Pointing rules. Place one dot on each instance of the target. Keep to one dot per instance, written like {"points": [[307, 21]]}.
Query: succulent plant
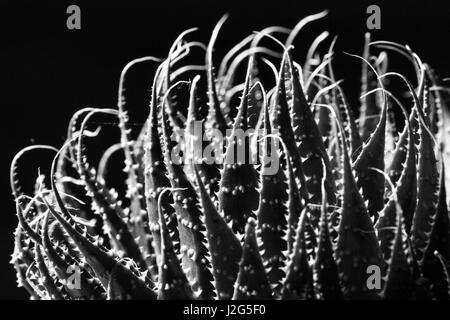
{"points": [[347, 194]]}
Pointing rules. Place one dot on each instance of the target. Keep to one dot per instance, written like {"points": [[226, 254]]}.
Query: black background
{"points": [[47, 72]]}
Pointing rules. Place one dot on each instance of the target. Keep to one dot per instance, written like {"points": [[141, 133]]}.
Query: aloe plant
{"points": [[343, 198]]}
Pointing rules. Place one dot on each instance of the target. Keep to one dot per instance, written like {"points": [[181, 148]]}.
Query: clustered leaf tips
{"points": [[327, 192]]}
